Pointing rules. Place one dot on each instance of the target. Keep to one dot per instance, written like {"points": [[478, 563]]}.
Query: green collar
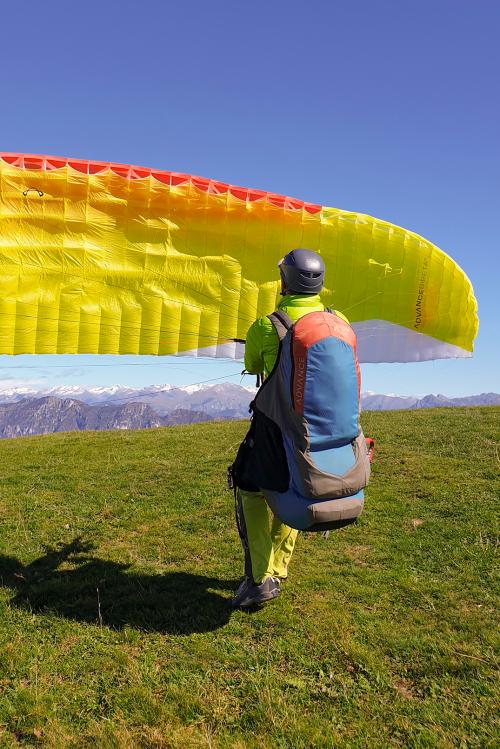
{"points": [[300, 300]]}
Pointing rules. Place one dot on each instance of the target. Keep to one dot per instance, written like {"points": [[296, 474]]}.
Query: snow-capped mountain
{"points": [[109, 393], [379, 402], [225, 400], [27, 411], [223, 397]]}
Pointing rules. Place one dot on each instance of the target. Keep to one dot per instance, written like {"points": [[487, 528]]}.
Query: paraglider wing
{"points": [[111, 259]]}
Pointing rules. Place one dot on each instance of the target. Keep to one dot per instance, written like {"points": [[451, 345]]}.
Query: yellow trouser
{"points": [[268, 546]]}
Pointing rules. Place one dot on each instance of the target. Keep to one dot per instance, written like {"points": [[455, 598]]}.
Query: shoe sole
{"points": [[254, 604]]}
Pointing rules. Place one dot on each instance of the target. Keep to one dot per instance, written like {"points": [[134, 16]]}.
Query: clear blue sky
{"points": [[389, 108]]}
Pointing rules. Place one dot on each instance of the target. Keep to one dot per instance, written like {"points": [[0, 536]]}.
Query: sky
{"points": [[388, 108]]}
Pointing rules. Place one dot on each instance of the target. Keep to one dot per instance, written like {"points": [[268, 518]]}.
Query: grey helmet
{"points": [[302, 272]]}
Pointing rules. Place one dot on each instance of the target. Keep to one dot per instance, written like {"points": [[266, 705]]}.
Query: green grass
{"points": [[118, 555]]}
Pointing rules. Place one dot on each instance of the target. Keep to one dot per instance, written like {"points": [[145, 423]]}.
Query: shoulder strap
{"points": [[282, 323]]}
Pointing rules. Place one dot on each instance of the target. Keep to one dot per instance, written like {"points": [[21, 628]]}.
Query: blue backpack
{"points": [[305, 450]]}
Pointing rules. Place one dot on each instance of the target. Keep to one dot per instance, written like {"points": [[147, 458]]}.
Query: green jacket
{"points": [[261, 348]]}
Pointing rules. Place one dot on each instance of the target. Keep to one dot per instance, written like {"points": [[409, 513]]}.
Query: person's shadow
{"points": [[105, 593]]}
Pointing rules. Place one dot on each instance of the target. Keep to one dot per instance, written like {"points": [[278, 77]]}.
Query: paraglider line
{"points": [[133, 398]]}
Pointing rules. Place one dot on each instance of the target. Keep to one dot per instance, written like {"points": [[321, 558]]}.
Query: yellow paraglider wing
{"points": [[112, 259]]}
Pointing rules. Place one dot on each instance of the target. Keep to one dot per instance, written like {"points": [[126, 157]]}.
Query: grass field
{"points": [[118, 554]]}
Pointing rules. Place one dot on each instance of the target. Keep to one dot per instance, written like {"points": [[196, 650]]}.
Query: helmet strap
{"points": [[284, 290]]}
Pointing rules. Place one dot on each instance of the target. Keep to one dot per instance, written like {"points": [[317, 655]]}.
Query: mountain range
{"points": [[73, 408]]}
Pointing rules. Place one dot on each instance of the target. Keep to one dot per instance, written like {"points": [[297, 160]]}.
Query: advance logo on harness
{"points": [[299, 380]]}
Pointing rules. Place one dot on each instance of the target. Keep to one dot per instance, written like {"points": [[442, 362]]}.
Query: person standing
{"points": [[268, 543]]}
